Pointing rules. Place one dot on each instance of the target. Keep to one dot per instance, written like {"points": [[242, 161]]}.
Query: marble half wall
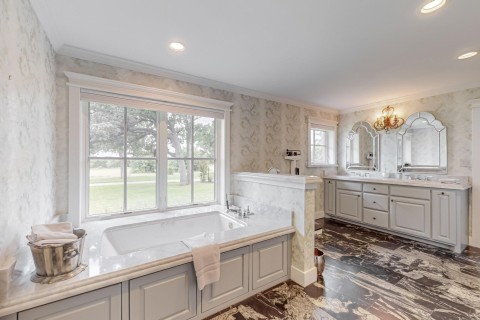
{"points": [[452, 109], [261, 130], [295, 194], [27, 125]]}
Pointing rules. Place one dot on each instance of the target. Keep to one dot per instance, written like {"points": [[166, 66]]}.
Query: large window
{"points": [[125, 153], [139, 149], [322, 141]]}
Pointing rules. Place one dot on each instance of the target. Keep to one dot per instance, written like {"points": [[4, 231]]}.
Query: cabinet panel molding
{"points": [[233, 281], [412, 216], [349, 204], [269, 261], [168, 294], [444, 207], [102, 304], [329, 202]]}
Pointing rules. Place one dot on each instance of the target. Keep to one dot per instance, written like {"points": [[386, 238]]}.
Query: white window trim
{"points": [[333, 126], [78, 134]]}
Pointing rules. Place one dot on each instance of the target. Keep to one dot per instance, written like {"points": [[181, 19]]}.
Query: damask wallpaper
{"points": [[27, 125]]}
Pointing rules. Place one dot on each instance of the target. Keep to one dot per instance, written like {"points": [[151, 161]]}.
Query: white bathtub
{"points": [[135, 237]]}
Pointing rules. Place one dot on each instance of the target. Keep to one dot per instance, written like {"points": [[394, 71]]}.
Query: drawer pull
{"points": [[329, 181], [374, 218], [391, 200], [443, 193], [374, 201], [358, 196], [374, 188]]}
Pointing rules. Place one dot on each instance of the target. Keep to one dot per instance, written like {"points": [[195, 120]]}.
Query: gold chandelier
{"points": [[388, 120]]}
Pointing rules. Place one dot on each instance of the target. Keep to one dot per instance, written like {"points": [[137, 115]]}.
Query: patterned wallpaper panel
{"points": [[27, 125]]}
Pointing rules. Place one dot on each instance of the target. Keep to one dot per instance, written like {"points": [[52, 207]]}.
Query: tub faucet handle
{"points": [[247, 212]]}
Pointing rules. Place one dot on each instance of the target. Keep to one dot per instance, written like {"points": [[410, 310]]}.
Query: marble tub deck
{"points": [[372, 275]]}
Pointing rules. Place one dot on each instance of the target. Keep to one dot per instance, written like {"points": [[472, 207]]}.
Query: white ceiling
{"points": [[331, 53]]}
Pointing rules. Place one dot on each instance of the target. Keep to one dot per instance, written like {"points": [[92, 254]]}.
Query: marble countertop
{"points": [[281, 180], [104, 271], [463, 184]]}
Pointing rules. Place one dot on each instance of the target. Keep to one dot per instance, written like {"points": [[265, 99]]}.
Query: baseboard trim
{"points": [[303, 278]]}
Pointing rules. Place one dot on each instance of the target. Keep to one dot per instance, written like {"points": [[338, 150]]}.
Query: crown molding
{"points": [[123, 88], [416, 96], [88, 55]]}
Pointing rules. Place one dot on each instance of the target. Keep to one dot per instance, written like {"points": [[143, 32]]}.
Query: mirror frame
{"points": [[442, 158], [375, 142]]}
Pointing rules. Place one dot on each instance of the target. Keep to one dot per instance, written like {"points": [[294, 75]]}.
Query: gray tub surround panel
{"points": [[106, 271], [428, 211], [172, 293], [296, 194]]}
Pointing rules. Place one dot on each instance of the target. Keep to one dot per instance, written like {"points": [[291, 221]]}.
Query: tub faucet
{"points": [[236, 210], [247, 212]]}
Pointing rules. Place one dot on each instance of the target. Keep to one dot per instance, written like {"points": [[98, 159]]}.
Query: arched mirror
{"points": [[422, 145], [362, 147]]}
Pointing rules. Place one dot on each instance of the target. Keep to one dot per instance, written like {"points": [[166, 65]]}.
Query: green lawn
{"points": [[106, 191]]}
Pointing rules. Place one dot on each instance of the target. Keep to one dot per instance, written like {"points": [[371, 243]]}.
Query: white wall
{"points": [[27, 120]]}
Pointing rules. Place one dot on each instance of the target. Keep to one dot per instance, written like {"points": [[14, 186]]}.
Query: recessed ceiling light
{"points": [[176, 46], [467, 55], [432, 6]]}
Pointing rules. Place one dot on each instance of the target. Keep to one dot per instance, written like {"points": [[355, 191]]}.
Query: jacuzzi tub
{"points": [[135, 237]]}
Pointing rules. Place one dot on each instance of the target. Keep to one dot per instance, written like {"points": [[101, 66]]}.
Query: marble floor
{"points": [[373, 275]]}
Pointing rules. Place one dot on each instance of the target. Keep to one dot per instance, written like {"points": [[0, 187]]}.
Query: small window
{"points": [[322, 142]]}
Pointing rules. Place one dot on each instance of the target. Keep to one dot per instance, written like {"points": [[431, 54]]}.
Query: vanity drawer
{"points": [[377, 218], [375, 201], [347, 185], [375, 188], [410, 192]]}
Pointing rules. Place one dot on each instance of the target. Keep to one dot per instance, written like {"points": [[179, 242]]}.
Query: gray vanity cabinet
{"points": [[269, 261], [233, 279], [329, 203], [412, 216], [428, 214], [348, 199], [102, 304], [10, 317], [349, 204], [168, 294], [444, 208]]}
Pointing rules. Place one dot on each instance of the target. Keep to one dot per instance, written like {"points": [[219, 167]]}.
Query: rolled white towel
{"points": [[54, 233], [35, 237], [66, 227], [52, 242]]}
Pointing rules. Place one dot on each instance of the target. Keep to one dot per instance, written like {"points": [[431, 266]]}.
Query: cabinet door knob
{"points": [[374, 201], [443, 193], [358, 196], [374, 188], [374, 218], [329, 181], [391, 200]]}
